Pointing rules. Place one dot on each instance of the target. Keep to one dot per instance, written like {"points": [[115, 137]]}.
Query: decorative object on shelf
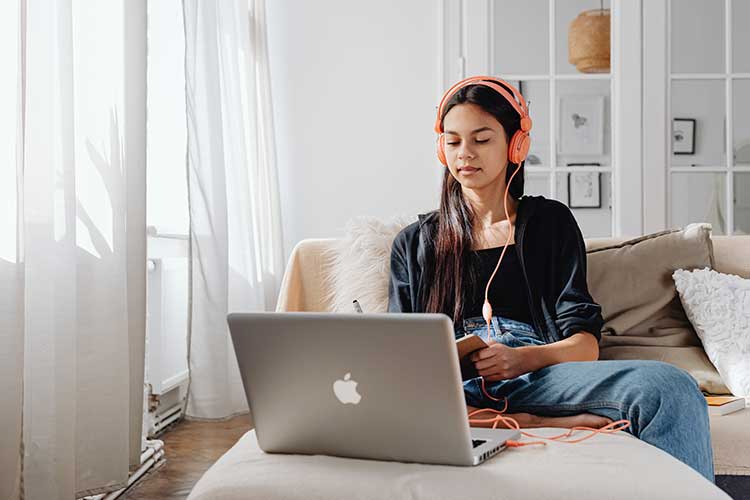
{"points": [[683, 136], [584, 190], [588, 41], [533, 160], [581, 125], [592, 164], [742, 153]]}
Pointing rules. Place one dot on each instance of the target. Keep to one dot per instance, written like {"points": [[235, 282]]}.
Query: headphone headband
{"points": [[513, 97], [518, 145]]}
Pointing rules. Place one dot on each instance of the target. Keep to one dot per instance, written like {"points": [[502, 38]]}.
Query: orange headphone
{"points": [[518, 147]]}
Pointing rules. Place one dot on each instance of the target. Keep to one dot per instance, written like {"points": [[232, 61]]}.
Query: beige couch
{"points": [[306, 287], [614, 466]]}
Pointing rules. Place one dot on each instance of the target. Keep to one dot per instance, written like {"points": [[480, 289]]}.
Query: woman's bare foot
{"points": [[529, 421]]}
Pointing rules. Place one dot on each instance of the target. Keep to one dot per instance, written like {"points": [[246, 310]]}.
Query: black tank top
{"points": [[508, 290]]}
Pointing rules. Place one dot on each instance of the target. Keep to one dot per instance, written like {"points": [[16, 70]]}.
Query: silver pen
{"points": [[357, 307]]}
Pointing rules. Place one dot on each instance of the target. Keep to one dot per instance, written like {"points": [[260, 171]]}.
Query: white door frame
{"points": [[627, 118], [655, 146]]}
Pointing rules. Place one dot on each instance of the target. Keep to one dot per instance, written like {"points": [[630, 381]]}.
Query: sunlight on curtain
{"points": [[64, 274], [103, 371], [233, 191], [11, 278], [98, 150]]}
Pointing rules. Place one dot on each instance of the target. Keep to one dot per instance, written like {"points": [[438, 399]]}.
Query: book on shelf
{"points": [[723, 405]]}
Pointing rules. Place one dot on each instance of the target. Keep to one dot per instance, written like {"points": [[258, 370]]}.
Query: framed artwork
{"points": [[581, 125], [591, 164], [683, 136], [584, 190]]}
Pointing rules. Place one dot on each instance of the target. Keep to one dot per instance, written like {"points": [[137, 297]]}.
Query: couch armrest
{"points": [[304, 287]]}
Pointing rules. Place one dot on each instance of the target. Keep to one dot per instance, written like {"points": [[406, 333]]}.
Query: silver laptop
{"points": [[375, 386]]}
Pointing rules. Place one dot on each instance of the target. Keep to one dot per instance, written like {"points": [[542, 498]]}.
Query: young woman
{"points": [[545, 328]]}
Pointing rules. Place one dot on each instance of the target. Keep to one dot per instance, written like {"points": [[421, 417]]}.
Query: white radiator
{"points": [[166, 330]]}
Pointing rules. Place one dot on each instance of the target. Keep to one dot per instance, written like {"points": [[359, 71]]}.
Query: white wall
{"points": [[355, 86]]}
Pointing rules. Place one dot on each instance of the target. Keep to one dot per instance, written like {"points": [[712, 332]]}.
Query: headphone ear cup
{"points": [[518, 148], [441, 150]]}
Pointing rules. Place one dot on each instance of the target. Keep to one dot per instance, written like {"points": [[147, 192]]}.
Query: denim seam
{"points": [[520, 332], [578, 406]]}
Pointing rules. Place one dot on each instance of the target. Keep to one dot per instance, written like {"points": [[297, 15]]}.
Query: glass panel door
{"points": [[570, 104], [709, 95]]}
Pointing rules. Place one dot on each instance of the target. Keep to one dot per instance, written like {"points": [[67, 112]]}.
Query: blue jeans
{"points": [[663, 403]]}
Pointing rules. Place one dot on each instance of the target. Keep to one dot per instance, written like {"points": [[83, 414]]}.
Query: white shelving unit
{"points": [[663, 201], [727, 79], [468, 48]]}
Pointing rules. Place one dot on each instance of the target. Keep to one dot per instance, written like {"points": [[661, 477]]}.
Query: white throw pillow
{"points": [[718, 306], [360, 264]]}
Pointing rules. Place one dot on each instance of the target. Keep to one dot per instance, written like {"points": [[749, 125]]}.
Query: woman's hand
{"points": [[500, 362]]}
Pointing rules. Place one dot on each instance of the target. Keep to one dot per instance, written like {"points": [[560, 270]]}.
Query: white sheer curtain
{"points": [[72, 247], [236, 242]]}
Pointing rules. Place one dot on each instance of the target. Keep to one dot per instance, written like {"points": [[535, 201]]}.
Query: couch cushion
{"points": [[632, 281], [731, 255], [730, 440], [612, 466], [643, 316], [360, 264]]}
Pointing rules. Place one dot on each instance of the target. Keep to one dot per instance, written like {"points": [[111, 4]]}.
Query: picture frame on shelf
{"points": [[581, 122], [683, 136], [584, 190], [585, 164]]}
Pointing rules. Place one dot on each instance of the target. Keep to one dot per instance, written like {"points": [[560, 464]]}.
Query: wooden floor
{"points": [[190, 449]]}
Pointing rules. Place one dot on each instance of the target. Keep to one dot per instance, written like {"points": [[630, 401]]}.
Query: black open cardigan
{"points": [[552, 255]]}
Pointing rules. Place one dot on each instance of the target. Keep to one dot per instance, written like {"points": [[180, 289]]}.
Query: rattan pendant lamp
{"points": [[588, 41]]}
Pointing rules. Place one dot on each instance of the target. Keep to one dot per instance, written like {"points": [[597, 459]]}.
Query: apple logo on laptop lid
{"points": [[346, 390]]}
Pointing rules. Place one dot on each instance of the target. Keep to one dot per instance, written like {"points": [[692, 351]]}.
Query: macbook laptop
{"points": [[374, 386]]}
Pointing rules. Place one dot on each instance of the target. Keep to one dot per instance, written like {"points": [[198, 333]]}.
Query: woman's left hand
{"points": [[500, 362]]}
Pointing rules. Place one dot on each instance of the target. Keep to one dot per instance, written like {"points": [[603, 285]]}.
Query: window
{"points": [[166, 127]]}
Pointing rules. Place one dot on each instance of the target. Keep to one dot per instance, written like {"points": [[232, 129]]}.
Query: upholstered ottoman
{"points": [[615, 466]]}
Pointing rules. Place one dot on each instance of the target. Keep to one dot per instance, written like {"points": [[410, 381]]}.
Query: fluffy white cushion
{"points": [[718, 306], [360, 264]]}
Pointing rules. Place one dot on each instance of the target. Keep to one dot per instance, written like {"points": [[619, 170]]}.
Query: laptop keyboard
{"points": [[477, 442]]}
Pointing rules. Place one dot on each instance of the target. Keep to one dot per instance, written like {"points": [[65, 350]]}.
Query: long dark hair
{"points": [[454, 237]]}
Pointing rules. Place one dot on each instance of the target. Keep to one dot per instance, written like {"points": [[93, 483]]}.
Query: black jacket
{"points": [[552, 255]]}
